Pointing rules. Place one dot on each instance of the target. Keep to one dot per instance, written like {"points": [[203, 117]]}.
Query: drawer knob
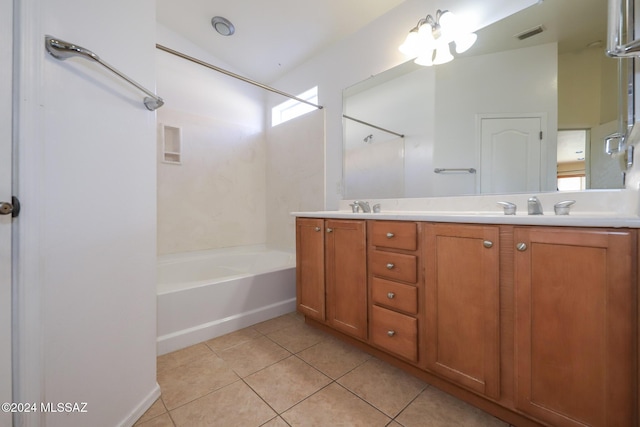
{"points": [[390, 235], [391, 333], [487, 244], [390, 266], [521, 246], [317, 228], [391, 295], [329, 230]]}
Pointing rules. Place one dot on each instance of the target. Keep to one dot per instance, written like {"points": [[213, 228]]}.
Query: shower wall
{"points": [[295, 175], [216, 196]]}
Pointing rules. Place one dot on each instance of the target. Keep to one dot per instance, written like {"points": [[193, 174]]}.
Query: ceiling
{"points": [[271, 37], [573, 24]]}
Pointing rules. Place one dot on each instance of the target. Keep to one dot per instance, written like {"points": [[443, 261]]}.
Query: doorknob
{"points": [[12, 207], [6, 208]]}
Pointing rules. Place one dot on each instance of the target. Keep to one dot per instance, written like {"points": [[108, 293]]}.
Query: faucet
{"points": [[534, 205], [363, 205]]}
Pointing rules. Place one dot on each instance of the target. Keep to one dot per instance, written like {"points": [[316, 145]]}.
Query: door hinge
{"points": [[540, 135]]}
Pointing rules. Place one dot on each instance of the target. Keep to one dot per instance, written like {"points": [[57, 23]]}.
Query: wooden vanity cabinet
{"points": [[395, 287], [463, 305], [574, 325], [537, 325], [310, 281], [331, 277]]}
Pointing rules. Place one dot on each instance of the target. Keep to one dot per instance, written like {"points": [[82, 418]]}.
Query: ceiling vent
{"points": [[530, 33]]}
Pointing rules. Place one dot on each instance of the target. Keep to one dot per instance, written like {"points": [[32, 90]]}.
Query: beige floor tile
{"points": [[231, 406], [154, 410], [275, 324], [334, 406], [234, 338], [194, 380], [163, 420], [298, 337], [182, 357], [333, 357], [434, 408], [387, 388], [276, 422], [253, 355], [286, 383]]}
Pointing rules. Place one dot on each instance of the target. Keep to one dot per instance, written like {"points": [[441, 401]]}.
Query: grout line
{"points": [[365, 401]]}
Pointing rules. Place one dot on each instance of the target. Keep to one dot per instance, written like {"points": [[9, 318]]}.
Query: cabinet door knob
{"points": [[390, 235], [329, 230], [390, 266], [391, 333], [317, 228], [391, 295], [487, 244], [521, 246]]}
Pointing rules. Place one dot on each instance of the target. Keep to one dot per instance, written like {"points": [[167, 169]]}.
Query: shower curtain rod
{"points": [[234, 75], [373, 126]]}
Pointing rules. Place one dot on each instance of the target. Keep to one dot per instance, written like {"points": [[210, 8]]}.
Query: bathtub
{"points": [[202, 295]]}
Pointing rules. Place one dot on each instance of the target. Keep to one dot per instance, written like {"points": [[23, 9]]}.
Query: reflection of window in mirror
{"points": [[571, 159]]}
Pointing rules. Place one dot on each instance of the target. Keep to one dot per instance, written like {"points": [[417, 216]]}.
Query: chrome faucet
{"points": [[363, 205], [534, 205]]}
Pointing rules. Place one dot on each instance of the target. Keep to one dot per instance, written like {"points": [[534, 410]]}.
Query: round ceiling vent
{"points": [[223, 25]]}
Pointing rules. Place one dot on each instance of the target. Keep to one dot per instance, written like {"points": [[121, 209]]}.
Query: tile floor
{"points": [[284, 373]]}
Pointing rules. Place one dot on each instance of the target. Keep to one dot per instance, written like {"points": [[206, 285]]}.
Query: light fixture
{"points": [[223, 26], [433, 36]]}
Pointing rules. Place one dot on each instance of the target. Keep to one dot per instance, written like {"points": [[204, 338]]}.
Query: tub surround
{"points": [[594, 208]]}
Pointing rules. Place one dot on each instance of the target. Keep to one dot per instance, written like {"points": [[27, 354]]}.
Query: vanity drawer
{"points": [[395, 234], [394, 332], [394, 266], [394, 295]]}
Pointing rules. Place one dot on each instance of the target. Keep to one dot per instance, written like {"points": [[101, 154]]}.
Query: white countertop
{"points": [[581, 219], [593, 208]]}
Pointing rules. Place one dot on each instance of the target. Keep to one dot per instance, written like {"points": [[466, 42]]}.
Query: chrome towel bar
{"points": [[62, 50], [620, 22], [454, 170]]}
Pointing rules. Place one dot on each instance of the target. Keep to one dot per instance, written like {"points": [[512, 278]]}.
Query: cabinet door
{"points": [[310, 289], [345, 252], [462, 271], [574, 334]]}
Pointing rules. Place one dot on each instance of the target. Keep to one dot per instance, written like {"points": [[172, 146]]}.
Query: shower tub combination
{"points": [[202, 295]]}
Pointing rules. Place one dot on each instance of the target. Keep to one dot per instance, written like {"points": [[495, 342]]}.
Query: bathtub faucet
{"points": [[363, 205]]}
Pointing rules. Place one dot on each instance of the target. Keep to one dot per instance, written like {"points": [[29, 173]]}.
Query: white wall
{"points": [[376, 46], [216, 197], [87, 232]]}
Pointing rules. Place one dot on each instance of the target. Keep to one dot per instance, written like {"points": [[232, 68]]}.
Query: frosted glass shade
{"points": [[464, 42]]}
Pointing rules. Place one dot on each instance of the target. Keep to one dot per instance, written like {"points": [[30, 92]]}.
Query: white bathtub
{"points": [[202, 295]]}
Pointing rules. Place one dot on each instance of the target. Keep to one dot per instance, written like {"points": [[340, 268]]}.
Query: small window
{"points": [[291, 109]]}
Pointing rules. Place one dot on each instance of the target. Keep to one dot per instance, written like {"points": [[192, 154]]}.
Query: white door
{"points": [[510, 154], [6, 18]]}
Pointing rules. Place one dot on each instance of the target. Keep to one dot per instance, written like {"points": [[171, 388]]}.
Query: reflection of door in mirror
{"points": [[510, 150]]}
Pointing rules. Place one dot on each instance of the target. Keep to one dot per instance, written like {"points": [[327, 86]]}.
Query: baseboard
{"points": [[186, 337], [142, 407]]}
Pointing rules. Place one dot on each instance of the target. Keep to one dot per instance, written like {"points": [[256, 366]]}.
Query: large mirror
{"points": [[526, 109]]}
